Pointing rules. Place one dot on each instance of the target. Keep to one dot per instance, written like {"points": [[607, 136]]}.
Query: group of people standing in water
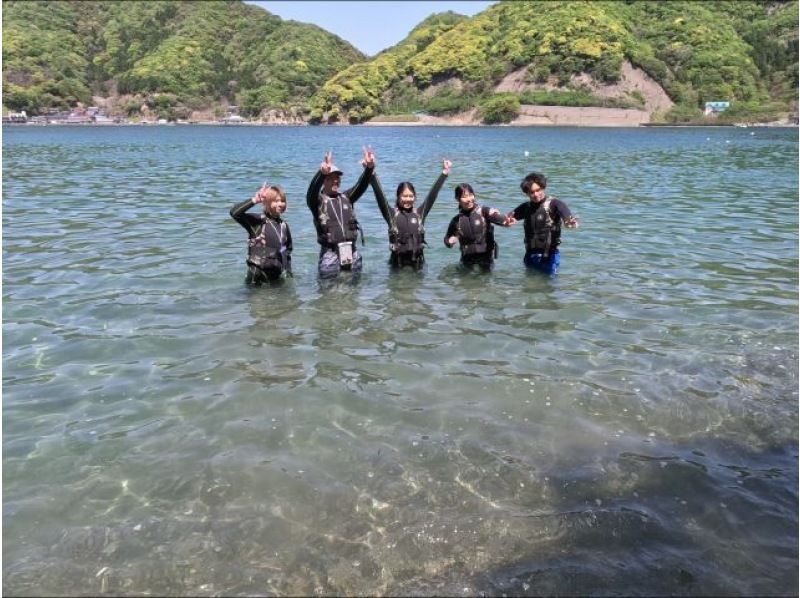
{"points": [[269, 256]]}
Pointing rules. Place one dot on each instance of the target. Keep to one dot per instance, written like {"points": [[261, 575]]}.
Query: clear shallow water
{"points": [[629, 428]]}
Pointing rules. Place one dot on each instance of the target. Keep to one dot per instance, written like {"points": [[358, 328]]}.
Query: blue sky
{"points": [[369, 26]]}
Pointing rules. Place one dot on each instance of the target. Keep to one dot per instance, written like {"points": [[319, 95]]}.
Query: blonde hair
{"points": [[277, 193]]}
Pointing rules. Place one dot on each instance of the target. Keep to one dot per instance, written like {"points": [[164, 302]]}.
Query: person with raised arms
{"points": [[269, 243], [406, 221], [334, 215]]}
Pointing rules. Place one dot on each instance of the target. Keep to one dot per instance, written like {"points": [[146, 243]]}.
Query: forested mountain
{"points": [[179, 56], [740, 51]]}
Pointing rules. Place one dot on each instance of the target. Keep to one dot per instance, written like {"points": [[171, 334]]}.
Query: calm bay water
{"points": [[628, 428]]}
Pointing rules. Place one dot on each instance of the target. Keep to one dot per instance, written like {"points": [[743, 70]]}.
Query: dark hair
{"points": [[463, 188], [534, 177], [402, 187]]}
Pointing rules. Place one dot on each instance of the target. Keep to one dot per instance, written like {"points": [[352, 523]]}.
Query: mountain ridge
{"points": [[177, 59]]}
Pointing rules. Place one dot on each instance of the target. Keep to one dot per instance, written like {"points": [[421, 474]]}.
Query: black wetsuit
{"points": [[346, 230], [279, 234], [475, 231], [559, 212], [406, 237]]}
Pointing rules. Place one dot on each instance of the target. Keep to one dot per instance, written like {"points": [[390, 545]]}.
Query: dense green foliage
{"points": [[175, 56], [740, 51], [502, 108], [56, 54], [357, 93]]}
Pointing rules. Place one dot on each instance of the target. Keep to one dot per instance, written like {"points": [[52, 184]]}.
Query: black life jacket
{"points": [[475, 232], [337, 220], [543, 231], [406, 234], [268, 250]]}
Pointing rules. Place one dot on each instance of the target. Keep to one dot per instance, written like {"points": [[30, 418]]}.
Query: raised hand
{"points": [[327, 163], [368, 159], [446, 164], [260, 194]]}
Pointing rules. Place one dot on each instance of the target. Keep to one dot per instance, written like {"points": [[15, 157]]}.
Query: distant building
{"points": [[15, 117], [714, 108]]}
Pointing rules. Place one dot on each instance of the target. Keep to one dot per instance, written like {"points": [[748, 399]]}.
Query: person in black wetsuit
{"points": [[334, 216], [472, 228], [406, 222], [542, 216], [269, 243]]}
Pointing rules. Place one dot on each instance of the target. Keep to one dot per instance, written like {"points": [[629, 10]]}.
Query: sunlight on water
{"points": [[629, 427]]}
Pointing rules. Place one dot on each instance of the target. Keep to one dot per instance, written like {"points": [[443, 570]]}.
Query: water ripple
{"points": [[629, 427]]}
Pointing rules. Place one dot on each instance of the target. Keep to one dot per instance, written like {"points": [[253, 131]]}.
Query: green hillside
{"points": [[744, 52], [179, 56], [192, 54]]}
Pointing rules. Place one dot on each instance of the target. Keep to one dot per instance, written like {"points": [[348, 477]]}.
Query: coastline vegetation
{"points": [[697, 51], [169, 58]]}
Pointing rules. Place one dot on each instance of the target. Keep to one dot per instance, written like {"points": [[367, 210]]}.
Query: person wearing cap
{"points": [[542, 216], [334, 216], [406, 231], [269, 255]]}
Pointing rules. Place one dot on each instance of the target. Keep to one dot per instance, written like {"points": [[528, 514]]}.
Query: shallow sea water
{"points": [[627, 428]]}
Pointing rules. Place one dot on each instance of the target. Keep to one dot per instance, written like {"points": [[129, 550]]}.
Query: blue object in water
{"points": [[535, 260]]}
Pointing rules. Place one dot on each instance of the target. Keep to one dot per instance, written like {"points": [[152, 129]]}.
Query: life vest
{"points": [[268, 250], [337, 220], [475, 232], [406, 234], [543, 230]]}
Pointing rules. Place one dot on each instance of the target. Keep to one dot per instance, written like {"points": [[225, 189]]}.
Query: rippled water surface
{"points": [[628, 428]]}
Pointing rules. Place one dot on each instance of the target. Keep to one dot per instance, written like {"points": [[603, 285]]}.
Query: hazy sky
{"points": [[369, 26]]}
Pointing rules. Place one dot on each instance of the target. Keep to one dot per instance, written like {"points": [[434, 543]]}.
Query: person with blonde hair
{"points": [[269, 243]]}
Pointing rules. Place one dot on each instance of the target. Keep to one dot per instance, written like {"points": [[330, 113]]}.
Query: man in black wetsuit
{"points": [[542, 216], [334, 216]]}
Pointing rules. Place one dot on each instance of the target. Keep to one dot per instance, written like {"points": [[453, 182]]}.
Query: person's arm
{"points": [[383, 205], [312, 195], [434, 192], [250, 222], [288, 239], [361, 185], [569, 219], [287, 263], [518, 213], [451, 236], [368, 162], [494, 216]]}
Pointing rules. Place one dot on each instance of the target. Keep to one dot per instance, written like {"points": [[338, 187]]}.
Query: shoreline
{"points": [[777, 124]]}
